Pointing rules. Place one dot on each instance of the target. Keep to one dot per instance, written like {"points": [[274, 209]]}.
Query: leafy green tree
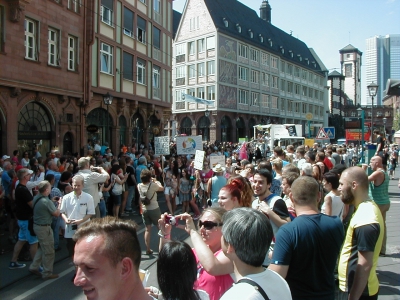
{"points": [[396, 122]]}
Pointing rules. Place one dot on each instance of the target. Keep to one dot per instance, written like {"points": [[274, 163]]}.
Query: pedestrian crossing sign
{"points": [[330, 132], [321, 134]]}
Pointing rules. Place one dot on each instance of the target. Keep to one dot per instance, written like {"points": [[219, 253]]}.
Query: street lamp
{"points": [[361, 114], [107, 99], [384, 126], [372, 90], [137, 134]]}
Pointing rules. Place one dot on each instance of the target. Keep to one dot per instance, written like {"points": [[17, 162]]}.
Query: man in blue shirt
{"points": [[52, 169], [142, 165], [307, 248]]}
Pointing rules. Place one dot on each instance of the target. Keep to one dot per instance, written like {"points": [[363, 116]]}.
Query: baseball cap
{"points": [[5, 157]]}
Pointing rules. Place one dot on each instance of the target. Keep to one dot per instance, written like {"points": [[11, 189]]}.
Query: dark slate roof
{"points": [[236, 12], [176, 18], [349, 48], [335, 74]]}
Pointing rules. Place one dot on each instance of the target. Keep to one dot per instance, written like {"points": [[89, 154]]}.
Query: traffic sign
{"points": [[330, 132], [322, 134]]}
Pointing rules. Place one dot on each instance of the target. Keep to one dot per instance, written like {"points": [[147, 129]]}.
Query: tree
{"points": [[396, 122]]}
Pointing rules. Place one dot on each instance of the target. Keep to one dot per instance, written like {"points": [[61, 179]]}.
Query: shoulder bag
{"points": [[256, 286], [144, 199]]}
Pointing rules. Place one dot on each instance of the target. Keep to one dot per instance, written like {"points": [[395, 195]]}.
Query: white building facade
{"points": [[350, 61], [256, 73]]}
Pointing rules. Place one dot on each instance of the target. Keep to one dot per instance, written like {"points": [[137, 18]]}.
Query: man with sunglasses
{"points": [[246, 237]]}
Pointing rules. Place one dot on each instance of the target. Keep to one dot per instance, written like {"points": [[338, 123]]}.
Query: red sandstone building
{"points": [[60, 58]]}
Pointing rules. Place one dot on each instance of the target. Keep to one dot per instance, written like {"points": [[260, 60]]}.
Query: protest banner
{"points": [[161, 145], [188, 144], [217, 159], [198, 160]]}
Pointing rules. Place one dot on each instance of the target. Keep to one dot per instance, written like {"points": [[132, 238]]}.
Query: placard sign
{"points": [[188, 144], [161, 145], [217, 159], [198, 160]]}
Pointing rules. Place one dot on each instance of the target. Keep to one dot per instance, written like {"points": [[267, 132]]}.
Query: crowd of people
{"points": [[276, 223]]}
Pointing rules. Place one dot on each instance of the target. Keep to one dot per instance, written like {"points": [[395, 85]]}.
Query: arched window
{"points": [[98, 117], [122, 130], [203, 128], [67, 143], [137, 129], [186, 126], [226, 127], [34, 128], [240, 129]]}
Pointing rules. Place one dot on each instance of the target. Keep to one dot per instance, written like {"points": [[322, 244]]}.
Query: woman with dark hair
{"points": [[64, 185], [333, 205], [237, 193], [213, 267], [116, 191], [179, 257]]}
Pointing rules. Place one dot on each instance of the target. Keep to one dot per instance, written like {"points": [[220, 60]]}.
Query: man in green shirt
{"points": [[43, 212]]}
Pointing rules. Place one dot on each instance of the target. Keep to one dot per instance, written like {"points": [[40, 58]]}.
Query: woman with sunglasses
{"points": [[213, 267]]}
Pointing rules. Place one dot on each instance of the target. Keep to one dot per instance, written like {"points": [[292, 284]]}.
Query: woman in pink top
{"points": [[213, 267]]}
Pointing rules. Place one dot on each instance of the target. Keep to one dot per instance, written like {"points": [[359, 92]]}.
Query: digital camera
{"points": [[171, 220]]}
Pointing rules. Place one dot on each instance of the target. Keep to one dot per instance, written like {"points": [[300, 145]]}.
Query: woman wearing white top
{"points": [[333, 205]]}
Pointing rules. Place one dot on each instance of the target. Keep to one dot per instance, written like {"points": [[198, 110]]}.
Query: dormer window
{"points": [[270, 42], [239, 28], [261, 38], [282, 49], [291, 53], [300, 58], [226, 23], [314, 63], [251, 33], [308, 62]]}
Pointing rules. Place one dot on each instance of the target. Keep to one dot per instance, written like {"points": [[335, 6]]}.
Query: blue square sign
{"points": [[330, 132]]}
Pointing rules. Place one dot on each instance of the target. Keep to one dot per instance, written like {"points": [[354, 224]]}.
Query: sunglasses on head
{"points": [[209, 225]]}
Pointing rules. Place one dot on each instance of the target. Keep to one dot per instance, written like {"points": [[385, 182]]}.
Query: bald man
{"points": [[363, 242], [378, 191]]}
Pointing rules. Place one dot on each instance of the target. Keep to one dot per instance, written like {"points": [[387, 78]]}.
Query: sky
{"points": [[328, 26]]}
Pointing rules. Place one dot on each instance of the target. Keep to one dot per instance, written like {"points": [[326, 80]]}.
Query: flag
{"points": [[243, 152], [190, 98]]}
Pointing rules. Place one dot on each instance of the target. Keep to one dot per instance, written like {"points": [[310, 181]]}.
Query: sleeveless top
{"points": [[215, 286], [337, 205], [380, 193]]}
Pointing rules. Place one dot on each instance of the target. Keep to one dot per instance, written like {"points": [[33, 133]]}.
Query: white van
{"points": [[341, 141]]}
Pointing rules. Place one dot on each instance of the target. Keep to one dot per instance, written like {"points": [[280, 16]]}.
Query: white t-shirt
{"points": [[76, 208], [271, 282]]}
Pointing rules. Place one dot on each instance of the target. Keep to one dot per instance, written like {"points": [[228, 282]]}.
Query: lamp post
{"points": [[361, 114], [384, 127], [137, 134], [107, 99], [372, 90]]}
